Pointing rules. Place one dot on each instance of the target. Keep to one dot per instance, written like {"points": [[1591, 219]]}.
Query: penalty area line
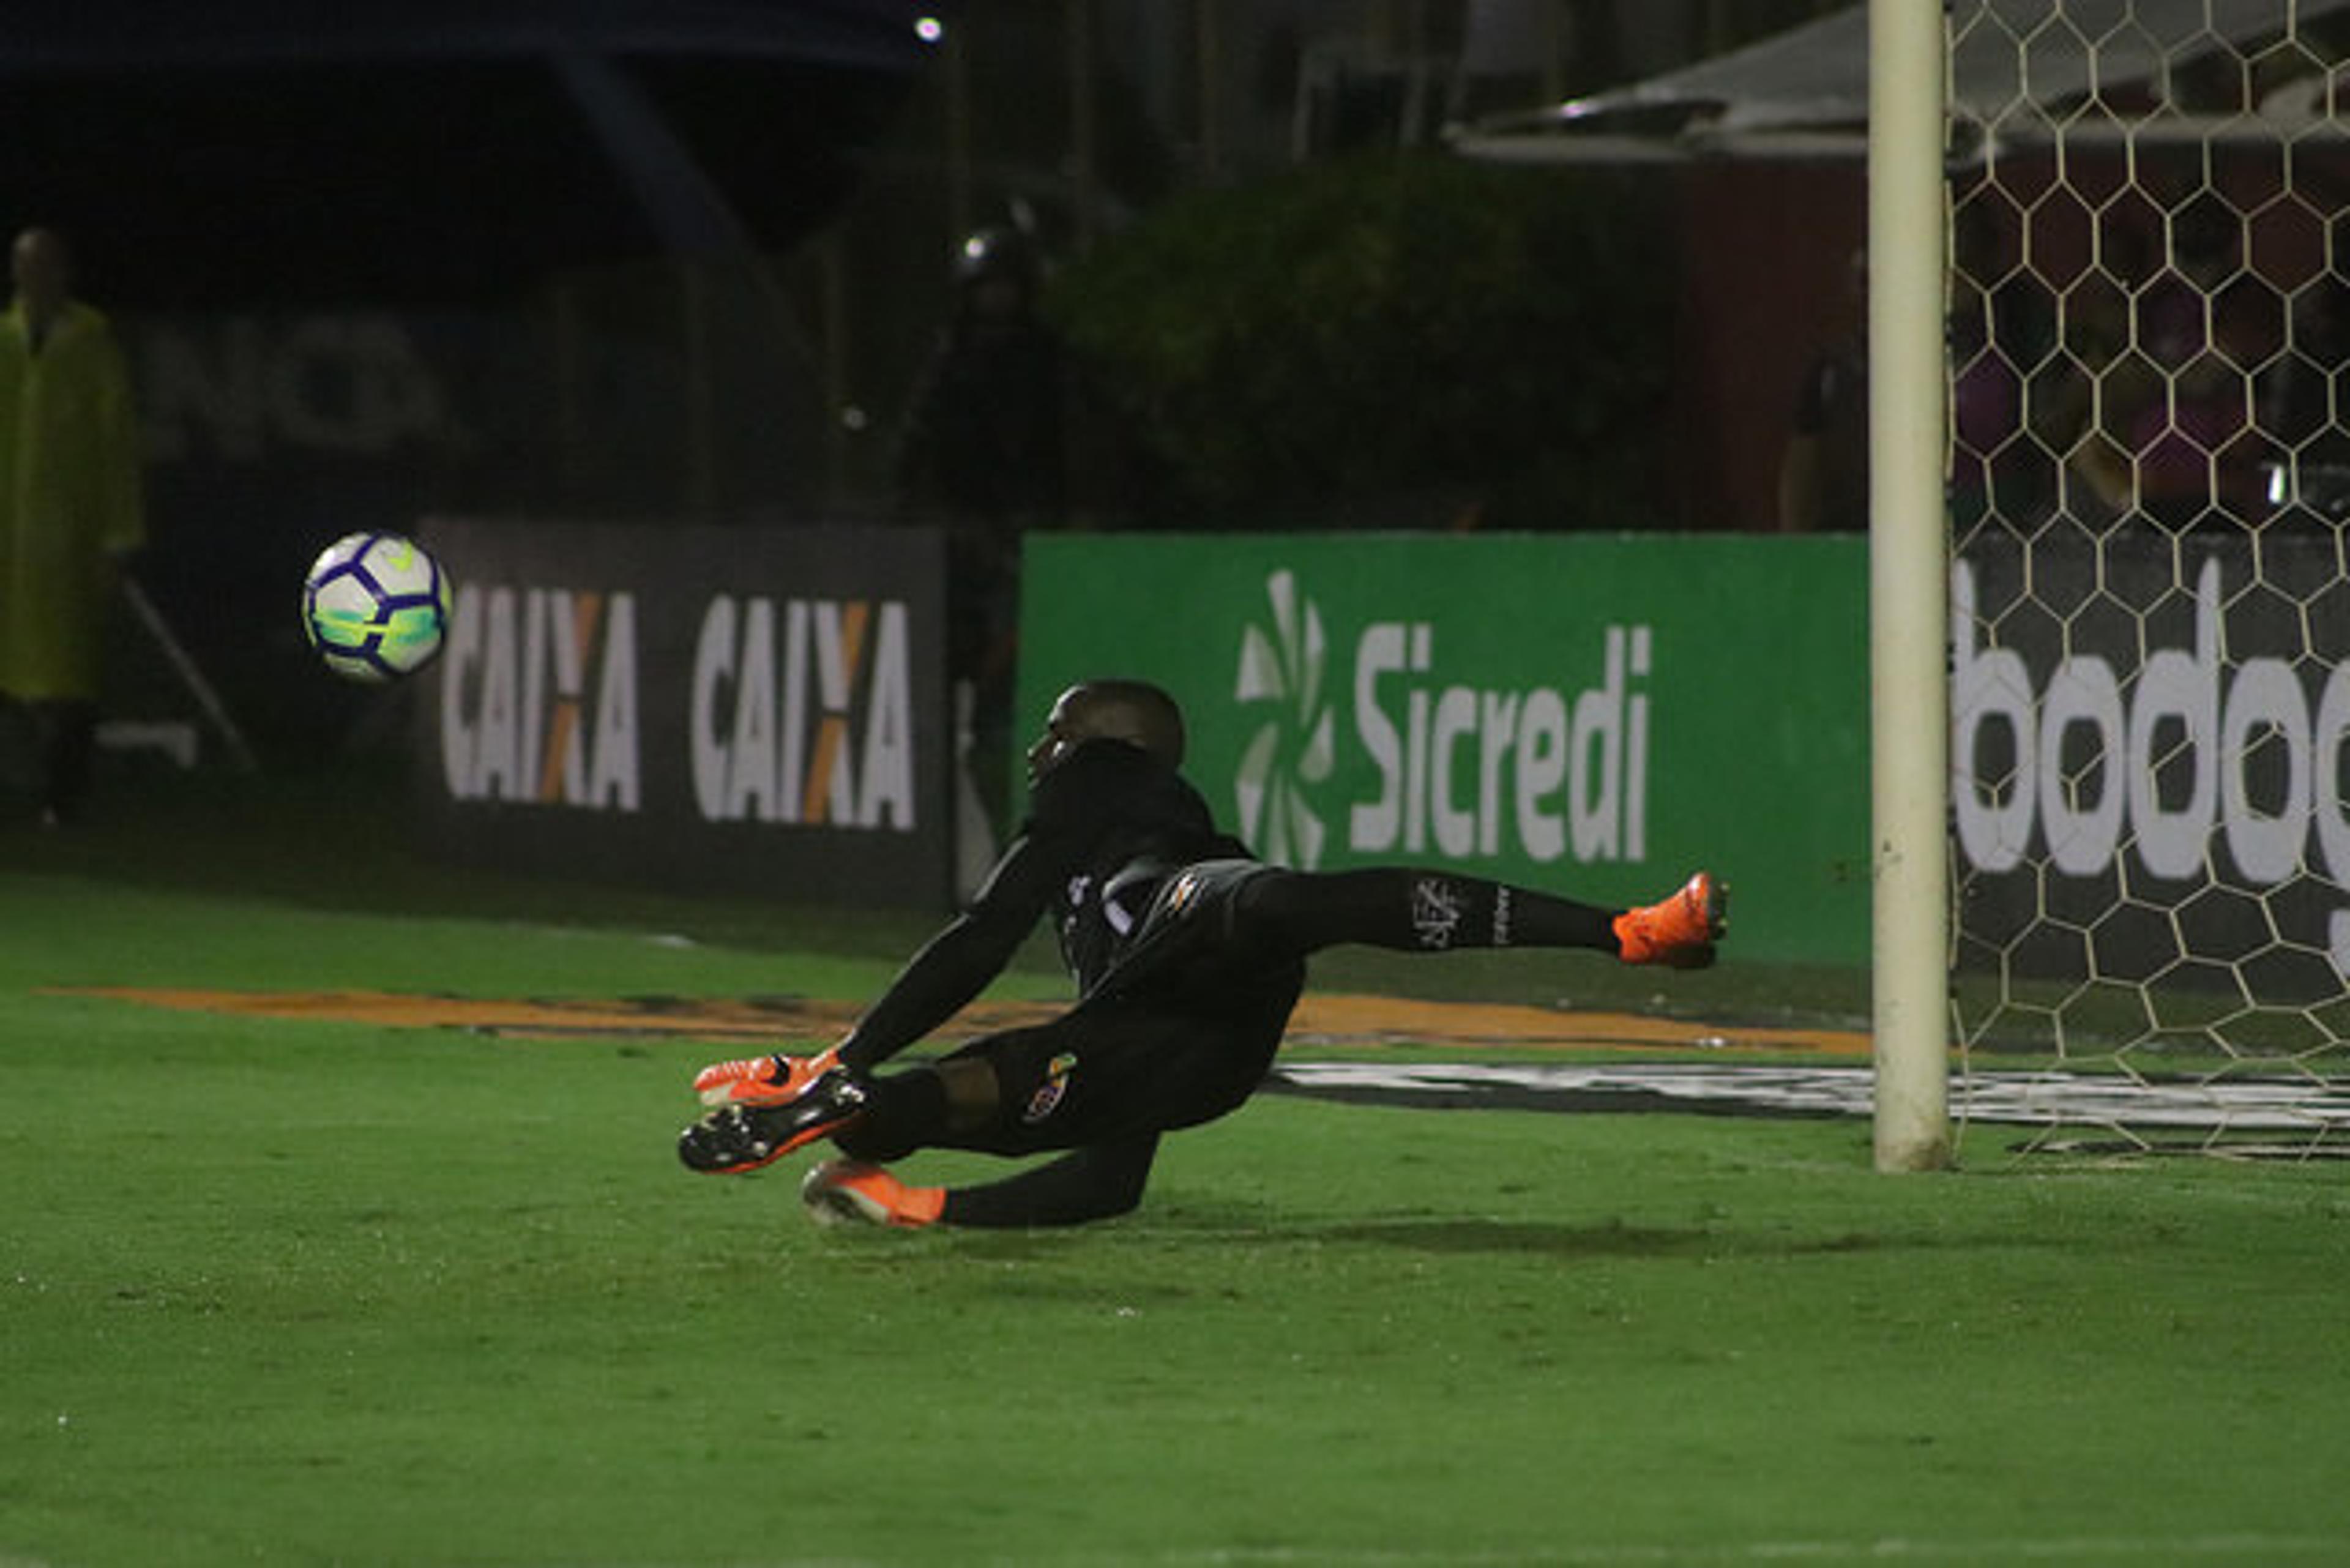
{"points": [[2230, 1547], [2220, 1546]]}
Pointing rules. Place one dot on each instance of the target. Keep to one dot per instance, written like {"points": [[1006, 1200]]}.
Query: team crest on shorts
{"points": [[1048, 1094]]}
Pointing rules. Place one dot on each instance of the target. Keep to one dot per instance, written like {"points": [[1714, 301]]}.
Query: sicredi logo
{"points": [[539, 697], [1291, 752], [1461, 770], [2152, 774]]}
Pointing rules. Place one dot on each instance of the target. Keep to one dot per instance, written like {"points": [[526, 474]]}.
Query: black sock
{"points": [[1093, 1183], [1415, 911], [906, 1111]]}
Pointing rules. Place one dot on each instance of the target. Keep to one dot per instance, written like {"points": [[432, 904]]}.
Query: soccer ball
{"points": [[375, 606]]}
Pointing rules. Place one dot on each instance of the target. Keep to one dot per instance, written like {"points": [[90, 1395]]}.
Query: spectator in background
{"points": [[985, 454], [2298, 394], [1824, 469], [69, 510], [2176, 443], [2000, 324]]}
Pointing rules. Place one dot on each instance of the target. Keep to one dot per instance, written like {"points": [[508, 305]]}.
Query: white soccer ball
{"points": [[375, 606]]}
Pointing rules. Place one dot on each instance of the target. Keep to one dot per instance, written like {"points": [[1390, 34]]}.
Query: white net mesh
{"points": [[2148, 332]]}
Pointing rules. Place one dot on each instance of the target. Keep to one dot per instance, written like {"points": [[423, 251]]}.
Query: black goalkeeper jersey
{"points": [[1114, 821], [1103, 829]]}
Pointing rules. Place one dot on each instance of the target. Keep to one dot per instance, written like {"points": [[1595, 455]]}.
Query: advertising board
{"points": [[2147, 758], [1596, 714], [748, 709]]}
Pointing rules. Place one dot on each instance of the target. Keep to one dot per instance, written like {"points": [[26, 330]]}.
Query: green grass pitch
{"points": [[292, 1292]]}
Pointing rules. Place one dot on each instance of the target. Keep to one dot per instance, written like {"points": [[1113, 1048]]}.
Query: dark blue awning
{"points": [[209, 152], [188, 35]]}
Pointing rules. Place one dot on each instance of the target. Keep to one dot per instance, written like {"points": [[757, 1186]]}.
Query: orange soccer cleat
{"points": [[736, 1138], [1678, 932], [774, 1080], [851, 1192]]}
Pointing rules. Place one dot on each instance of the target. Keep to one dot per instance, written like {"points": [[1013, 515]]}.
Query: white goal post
{"points": [[1909, 600]]}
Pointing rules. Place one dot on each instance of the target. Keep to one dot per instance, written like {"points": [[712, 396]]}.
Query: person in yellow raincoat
{"points": [[69, 509]]}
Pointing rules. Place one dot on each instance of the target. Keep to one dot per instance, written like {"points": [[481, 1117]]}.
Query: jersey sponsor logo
{"points": [[1186, 889], [1468, 772], [1053, 1090]]}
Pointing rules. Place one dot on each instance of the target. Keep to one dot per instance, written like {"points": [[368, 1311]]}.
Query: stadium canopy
{"points": [[436, 148], [199, 34], [2018, 68]]}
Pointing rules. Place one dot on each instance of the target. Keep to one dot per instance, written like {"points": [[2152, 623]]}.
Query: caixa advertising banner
{"points": [[1598, 715], [2147, 758], [746, 709]]}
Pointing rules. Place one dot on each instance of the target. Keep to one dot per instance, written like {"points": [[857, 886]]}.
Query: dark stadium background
{"points": [[684, 261]]}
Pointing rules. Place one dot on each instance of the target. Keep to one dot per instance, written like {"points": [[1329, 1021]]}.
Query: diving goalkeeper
{"points": [[1188, 955]]}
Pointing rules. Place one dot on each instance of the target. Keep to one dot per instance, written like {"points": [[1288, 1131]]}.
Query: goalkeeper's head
{"points": [[1135, 712]]}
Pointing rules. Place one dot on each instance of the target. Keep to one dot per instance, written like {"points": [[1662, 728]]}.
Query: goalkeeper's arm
{"points": [[957, 965]]}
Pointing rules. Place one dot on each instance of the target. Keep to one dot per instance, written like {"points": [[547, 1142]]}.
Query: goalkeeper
{"points": [[1188, 956]]}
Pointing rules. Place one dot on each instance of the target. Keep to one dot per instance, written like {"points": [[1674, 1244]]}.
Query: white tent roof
{"points": [[1807, 91]]}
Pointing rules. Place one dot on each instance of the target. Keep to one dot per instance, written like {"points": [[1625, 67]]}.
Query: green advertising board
{"points": [[1593, 714]]}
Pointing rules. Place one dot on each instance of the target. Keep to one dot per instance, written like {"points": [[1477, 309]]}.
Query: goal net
{"points": [[2148, 342]]}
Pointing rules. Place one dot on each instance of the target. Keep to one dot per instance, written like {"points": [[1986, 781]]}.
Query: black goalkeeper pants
{"points": [[1101, 1082]]}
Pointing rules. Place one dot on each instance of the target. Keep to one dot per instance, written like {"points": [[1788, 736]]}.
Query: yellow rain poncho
{"points": [[69, 500]]}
